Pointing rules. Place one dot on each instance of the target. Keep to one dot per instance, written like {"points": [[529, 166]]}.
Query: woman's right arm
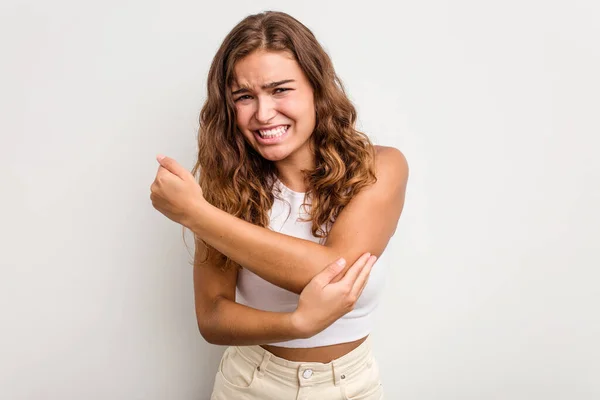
{"points": [[222, 321]]}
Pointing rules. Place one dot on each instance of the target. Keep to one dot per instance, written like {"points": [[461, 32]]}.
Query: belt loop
{"points": [[263, 364], [338, 376]]}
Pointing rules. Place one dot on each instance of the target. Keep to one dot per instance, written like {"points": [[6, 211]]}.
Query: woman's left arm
{"points": [[366, 224]]}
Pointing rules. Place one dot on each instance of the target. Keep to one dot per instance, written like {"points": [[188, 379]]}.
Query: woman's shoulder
{"points": [[391, 173], [390, 163]]}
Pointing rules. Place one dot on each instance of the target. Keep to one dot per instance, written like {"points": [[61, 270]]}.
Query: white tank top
{"points": [[253, 291]]}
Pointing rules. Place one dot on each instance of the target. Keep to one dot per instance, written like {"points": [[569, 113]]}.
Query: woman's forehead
{"points": [[263, 68]]}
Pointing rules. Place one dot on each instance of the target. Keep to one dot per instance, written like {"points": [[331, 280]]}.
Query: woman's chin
{"points": [[275, 156], [274, 153]]}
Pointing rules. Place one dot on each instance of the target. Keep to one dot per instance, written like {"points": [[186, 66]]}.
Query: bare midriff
{"points": [[322, 354]]}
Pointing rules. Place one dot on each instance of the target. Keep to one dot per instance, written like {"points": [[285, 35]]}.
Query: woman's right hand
{"points": [[324, 301]]}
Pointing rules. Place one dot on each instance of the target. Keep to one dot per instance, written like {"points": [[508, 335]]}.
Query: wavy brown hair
{"points": [[234, 177]]}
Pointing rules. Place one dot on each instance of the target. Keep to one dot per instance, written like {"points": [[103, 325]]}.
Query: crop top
{"points": [[252, 290]]}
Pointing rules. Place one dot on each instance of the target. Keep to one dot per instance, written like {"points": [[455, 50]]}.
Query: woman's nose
{"points": [[265, 111]]}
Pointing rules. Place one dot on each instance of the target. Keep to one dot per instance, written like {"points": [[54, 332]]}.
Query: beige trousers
{"points": [[252, 373]]}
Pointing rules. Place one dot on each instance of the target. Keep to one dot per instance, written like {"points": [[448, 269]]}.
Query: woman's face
{"points": [[274, 105]]}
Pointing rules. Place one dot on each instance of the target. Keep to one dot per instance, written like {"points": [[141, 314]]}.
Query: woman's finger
{"points": [[331, 271], [355, 269], [361, 281], [363, 288]]}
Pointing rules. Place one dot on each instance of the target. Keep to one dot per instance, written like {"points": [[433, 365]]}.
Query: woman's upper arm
{"points": [[369, 220], [210, 284]]}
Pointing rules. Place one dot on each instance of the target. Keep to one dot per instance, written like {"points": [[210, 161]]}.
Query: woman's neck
{"points": [[290, 170]]}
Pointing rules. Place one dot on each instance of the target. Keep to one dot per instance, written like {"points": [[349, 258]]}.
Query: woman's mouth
{"points": [[269, 136]]}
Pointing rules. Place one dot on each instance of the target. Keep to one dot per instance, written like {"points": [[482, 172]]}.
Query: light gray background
{"points": [[494, 289]]}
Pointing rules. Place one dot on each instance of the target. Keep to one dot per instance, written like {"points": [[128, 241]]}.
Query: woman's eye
{"points": [[280, 90], [243, 97]]}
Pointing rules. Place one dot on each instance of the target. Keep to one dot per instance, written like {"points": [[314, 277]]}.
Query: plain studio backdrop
{"points": [[493, 291]]}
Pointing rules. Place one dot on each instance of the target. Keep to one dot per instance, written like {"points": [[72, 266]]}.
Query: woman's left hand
{"points": [[325, 299], [175, 192]]}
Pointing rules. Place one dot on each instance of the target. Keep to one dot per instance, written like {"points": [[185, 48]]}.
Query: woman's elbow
{"points": [[209, 333], [205, 331], [207, 326]]}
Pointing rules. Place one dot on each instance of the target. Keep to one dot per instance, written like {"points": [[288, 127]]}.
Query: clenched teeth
{"points": [[271, 133]]}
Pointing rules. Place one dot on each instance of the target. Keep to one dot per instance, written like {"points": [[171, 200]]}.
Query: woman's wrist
{"points": [[196, 216], [300, 325]]}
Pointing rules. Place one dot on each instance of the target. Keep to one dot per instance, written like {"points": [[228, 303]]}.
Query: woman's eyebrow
{"points": [[274, 84], [267, 86]]}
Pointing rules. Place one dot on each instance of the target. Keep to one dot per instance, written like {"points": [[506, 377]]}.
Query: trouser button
{"points": [[307, 373]]}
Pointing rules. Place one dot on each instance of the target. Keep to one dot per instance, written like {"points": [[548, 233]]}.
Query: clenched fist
{"points": [[175, 192]]}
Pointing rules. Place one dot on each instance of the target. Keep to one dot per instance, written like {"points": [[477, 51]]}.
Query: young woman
{"points": [[287, 186]]}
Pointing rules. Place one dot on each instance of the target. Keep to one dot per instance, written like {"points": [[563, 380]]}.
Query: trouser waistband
{"points": [[308, 373]]}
